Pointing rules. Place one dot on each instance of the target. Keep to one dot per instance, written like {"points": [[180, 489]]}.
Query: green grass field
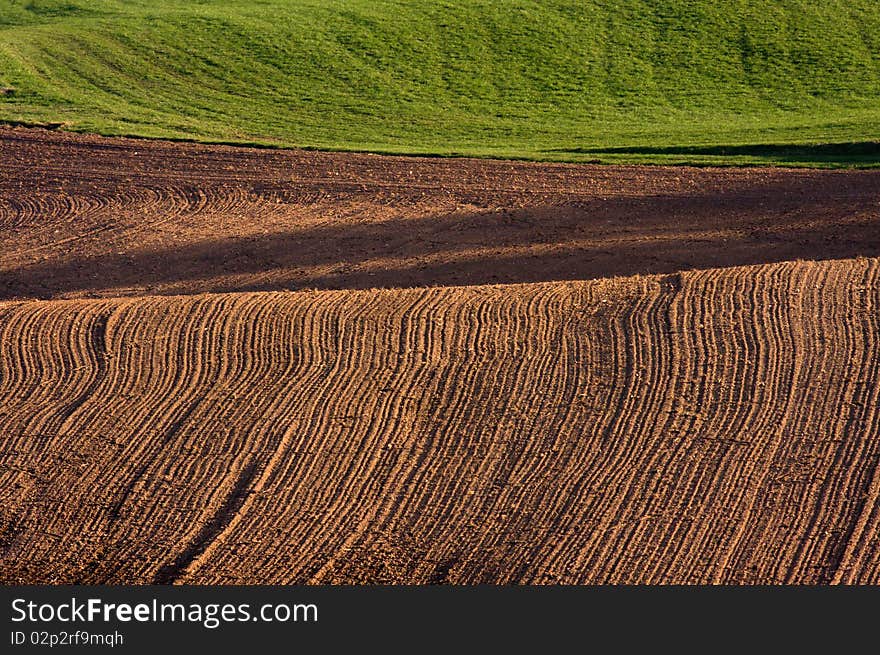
{"points": [[653, 81]]}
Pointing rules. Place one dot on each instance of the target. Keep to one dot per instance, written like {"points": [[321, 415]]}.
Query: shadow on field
{"points": [[574, 239], [849, 153]]}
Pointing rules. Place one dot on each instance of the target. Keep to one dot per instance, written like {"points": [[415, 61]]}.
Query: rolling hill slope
{"points": [[200, 380], [714, 426], [776, 81]]}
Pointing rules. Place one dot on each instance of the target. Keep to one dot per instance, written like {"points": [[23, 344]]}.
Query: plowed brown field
{"points": [[679, 426], [88, 216]]}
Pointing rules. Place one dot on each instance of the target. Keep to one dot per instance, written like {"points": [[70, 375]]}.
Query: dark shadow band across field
{"points": [[86, 216], [584, 240]]}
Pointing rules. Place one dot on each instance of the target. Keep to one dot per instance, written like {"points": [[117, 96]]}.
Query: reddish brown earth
{"points": [[717, 425], [84, 216]]}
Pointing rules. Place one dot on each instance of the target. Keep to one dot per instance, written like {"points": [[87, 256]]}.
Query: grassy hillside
{"points": [[788, 81]]}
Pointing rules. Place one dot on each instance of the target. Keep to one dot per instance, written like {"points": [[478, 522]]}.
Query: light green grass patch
{"points": [[667, 81]]}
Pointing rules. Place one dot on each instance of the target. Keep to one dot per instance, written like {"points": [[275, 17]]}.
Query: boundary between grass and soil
{"points": [[867, 153]]}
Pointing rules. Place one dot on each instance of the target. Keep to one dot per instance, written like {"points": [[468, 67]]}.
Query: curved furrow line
{"points": [[402, 364], [840, 501], [546, 387], [374, 397], [423, 449], [20, 370], [190, 385], [98, 443], [532, 390], [278, 369], [859, 561], [22, 211], [564, 490], [387, 348], [62, 364], [111, 464], [748, 411], [21, 382], [496, 379], [58, 208], [234, 477], [340, 352], [713, 435], [67, 367], [528, 384], [310, 319], [51, 220], [717, 426], [681, 412], [625, 439], [165, 477], [581, 492], [354, 408], [507, 393], [817, 402], [556, 415], [394, 462], [235, 458], [190, 371], [703, 420], [792, 484], [740, 470], [422, 494], [654, 359]]}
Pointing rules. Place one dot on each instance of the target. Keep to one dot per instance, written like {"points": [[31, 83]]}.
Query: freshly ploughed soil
{"points": [[714, 425], [89, 216]]}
